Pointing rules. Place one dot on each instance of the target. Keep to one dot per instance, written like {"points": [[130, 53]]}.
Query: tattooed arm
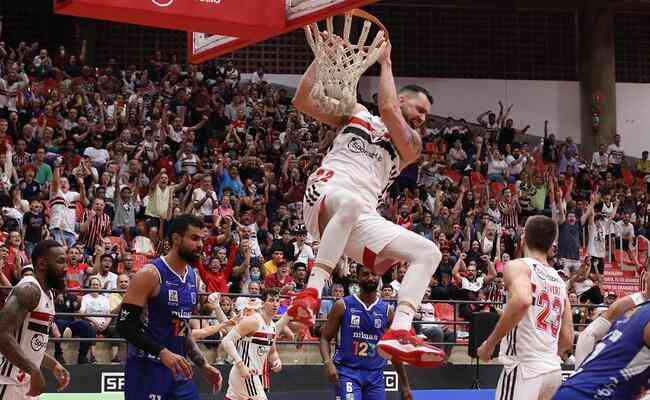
{"points": [[60, 373], [210, 373], [23, 299]]}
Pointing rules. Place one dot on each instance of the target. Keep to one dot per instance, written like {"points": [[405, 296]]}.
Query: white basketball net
{"points": [[340, 64]]}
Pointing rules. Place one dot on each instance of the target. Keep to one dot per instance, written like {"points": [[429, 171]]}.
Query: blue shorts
{"points": [[360, 384], [149, 380]]}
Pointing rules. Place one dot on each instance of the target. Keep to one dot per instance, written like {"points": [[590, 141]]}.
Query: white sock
{"points": [[317, 279], [403, 318]]}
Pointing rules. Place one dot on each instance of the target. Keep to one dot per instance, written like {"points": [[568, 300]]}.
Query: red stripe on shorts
{"points": [[369, 258]]}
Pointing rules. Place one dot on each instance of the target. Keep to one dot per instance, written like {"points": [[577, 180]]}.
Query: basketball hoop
{"points": [[339, 63]]}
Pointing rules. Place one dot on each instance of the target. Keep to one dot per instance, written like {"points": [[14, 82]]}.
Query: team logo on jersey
{"points": [[377, 323], [262, 350], [355, 320], [38, 342], [358, 146], [173, 296]]}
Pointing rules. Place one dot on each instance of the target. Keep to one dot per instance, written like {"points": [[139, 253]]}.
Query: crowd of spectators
{"points": [[100, 158]]}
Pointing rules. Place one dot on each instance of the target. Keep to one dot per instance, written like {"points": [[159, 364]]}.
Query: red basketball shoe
{"points": [[404, 346], [304, 307]]}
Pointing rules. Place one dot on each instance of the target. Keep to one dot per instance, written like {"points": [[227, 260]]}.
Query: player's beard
{"points": [[188, 255], [369, 286], [53, 280]]}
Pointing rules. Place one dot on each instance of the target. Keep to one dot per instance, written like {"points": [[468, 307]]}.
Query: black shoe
{"points": [[59, 357], [82, 360], [92, 359], [116, 360]]}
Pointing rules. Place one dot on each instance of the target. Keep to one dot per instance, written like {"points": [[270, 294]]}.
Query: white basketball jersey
{"points": [[32, 336], [362, 158], [532, 344], [254, 350]]}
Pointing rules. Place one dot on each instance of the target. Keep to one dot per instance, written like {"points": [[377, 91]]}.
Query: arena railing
{"points": [[456, 321]]}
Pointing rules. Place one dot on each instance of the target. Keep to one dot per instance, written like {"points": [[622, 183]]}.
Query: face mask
{"points": [[255, 276], [276, 147]]}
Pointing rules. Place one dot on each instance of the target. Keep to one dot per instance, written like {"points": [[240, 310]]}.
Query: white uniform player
{"points": [[529, 353], [32, 338], [251, 344], [341, 198], [536, 326], [254, 350], [361, 157]]}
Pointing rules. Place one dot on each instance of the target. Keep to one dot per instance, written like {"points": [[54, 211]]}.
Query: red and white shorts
{"points": [[370, 234]]}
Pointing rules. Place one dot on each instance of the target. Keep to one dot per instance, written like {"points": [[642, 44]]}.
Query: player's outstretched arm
{"points": [[517, 281], [23, 299], [328, 333], [305, 103], [406, 140], [144, 284]]}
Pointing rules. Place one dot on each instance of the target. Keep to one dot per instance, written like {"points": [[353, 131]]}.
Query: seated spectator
{"points": [[387, 293], [68, 302], [277, 257], [281, 279], [253, 289], [76, 271], [94, 303], [115, 304], [302, 251], [326, 304], [299, 276], [102, 270], [436, 334]]}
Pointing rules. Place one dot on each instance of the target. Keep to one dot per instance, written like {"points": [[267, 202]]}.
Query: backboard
{"points": [[298, 13]]}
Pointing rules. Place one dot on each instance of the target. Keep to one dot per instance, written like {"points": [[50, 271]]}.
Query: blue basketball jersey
{"points": [[167, 316], [360, 330], [619, 365]]}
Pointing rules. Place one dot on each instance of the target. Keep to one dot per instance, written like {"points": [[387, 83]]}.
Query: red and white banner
{"points": [[246, 19]]}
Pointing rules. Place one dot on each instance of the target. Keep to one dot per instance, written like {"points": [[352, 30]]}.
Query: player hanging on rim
{"points": [[341, 199], [250, 343], [25, 321], [358, 322], [154, 320], [536, 326]]}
